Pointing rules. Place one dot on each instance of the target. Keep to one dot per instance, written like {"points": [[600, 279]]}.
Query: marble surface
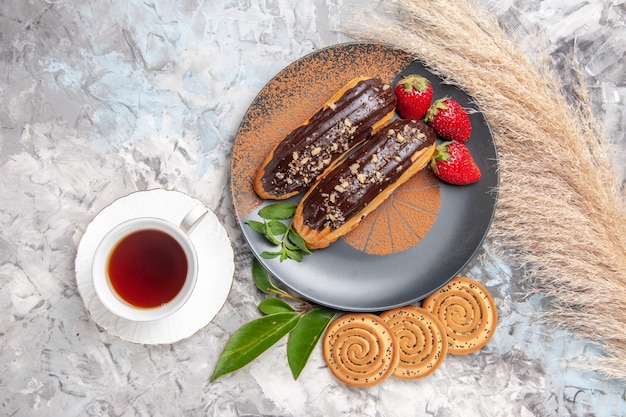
{"points": [[103, 98]]}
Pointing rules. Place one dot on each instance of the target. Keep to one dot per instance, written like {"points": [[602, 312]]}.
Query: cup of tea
{"points": [[146, 268]]}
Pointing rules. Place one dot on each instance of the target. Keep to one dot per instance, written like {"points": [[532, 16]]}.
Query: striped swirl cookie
{"points": [[422, 341], [359, 349], [467, 312]]}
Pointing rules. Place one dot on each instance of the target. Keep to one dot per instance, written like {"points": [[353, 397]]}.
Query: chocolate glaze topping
{"points": [[370, 169], [309, 149]]}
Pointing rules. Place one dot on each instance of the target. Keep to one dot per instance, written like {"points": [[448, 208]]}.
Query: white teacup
{"points": [[146, 268]]}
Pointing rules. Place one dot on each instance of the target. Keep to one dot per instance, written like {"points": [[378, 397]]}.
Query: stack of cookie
{"points": [[363, 349]]}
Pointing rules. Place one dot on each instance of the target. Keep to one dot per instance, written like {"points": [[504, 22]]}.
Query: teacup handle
{"points": [[193, 217]]}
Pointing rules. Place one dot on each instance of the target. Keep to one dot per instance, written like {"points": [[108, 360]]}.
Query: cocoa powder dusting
{"points": [[380, 239], [402, 220], [290, 99]]}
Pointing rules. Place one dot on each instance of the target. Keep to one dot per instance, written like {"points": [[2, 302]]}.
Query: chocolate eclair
{"points": [[359, 108], [344, 195]]}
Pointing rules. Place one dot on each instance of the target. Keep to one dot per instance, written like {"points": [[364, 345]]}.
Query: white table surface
{"points": [[103, 98]]}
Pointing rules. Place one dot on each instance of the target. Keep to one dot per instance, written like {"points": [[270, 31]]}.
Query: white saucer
{"points": [[215, 269]]}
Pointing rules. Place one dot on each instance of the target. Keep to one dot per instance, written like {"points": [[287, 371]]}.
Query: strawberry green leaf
{"points": [[304, 337], [278, 211], [252, 339], [274, 305], [442, 153], [434, 109], [414, 81], [261, 278]]}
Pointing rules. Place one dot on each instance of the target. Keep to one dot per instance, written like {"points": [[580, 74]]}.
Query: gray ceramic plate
{"points": [[340, 276]]}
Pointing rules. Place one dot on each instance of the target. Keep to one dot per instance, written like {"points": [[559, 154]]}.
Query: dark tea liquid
{"points": [[147, 268]]}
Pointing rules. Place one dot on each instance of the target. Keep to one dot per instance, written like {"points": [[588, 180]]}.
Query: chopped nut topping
{"points": [[344, 184], [332, 106], [304, 160], [354, 168], [374, 158], [332, 197], [347, 122], [397, 158], [339, 189], [399, 138], [361, 178], [316, 151], [295, 156]]}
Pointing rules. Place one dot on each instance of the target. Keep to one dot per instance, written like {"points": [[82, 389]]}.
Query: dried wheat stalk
{"points": [[561, 212]]}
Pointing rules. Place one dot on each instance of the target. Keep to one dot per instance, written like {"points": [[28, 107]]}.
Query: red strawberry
{"points": [[414, 94], [449, 120], [454, 164]]}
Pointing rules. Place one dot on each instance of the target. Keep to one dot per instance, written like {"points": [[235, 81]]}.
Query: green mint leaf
{"points": [[258, 227], [252, 339], [290, 246], [270, 255], [276, 231], [304, 337], [262, 278], [278, 211], [296, 255], [274, 305], [277, 227], [297, 240], [270, 235]]}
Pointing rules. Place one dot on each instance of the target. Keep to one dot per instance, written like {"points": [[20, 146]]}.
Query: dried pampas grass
{"points": [[561, 213]]}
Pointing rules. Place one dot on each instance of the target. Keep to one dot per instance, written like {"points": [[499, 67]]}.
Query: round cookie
{"points": [[422, 341], [467, 312], [359, 349]]}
